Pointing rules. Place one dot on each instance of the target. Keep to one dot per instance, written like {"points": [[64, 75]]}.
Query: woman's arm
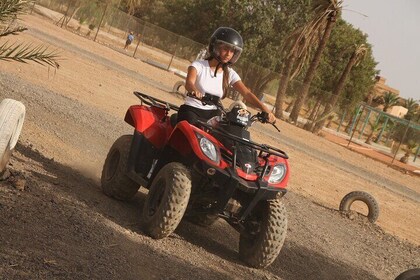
{"points": [[190, 82], [251, 98]]}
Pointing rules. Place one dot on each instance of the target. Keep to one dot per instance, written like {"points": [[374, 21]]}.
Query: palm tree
{"points": [[21, 52], [357, 55], [297, 49], [327, 12], [411, 106], [374, 127], [390, 99]]}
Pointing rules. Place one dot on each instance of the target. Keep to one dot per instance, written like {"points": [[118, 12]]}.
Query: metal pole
{"points": [[142, 35], [382, 130], [173, 55], [65, 14], [355, 117], [365, 122], [97, 31], [417, 153], [33, 7], [342, 120], [402, 140], [355, 127]]}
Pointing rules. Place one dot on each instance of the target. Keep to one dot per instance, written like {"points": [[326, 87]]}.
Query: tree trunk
{"points": [[72, 15], [300, 100], [290, 106], [335, 94], [284, 82], [312, 116]]}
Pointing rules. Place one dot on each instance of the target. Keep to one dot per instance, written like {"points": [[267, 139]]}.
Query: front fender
{"points": [[184, 140]]}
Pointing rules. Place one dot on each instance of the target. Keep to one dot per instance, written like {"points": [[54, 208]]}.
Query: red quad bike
{"points": [[204, 172]]}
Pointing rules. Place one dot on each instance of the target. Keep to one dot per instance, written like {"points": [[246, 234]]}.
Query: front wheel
{"points": [[114, 179], [264, 234], [167, 200]]}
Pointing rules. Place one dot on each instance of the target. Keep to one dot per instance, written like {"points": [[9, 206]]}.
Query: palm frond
{"points": [[9, 9], [26, 52], [360, 52], [302, 41], [12, 31]]}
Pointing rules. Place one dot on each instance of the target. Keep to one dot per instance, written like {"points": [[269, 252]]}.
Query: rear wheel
{"points": [[167, 200], [264, 234], [411, 274], [114, 180]]}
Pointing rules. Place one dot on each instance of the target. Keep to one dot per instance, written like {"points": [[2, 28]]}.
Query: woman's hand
{"points": [[271, 118], [197, 94]]}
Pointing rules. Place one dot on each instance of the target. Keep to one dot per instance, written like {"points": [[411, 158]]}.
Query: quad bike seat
{"points": [[173, 119]]}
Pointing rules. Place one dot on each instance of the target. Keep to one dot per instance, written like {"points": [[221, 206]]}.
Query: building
{"points": [[381, 87], [398, 111]]}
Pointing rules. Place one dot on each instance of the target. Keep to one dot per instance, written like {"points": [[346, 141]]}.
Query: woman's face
{"points": [[226, 52]]}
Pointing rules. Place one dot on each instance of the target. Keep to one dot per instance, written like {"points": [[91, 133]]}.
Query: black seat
{"points": [[173, 119]]}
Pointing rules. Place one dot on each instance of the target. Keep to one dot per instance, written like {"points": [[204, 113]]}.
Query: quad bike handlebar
{"points": [[209, 99]]}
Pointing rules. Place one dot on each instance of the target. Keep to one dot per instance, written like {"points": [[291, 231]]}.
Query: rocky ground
{"points": [[57, 224]]}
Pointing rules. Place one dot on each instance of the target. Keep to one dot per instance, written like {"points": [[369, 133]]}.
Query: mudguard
{"points": [[152, 122], [186, 133]]}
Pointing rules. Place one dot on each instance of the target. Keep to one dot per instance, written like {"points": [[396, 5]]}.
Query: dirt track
{"points": [[62, 226]]}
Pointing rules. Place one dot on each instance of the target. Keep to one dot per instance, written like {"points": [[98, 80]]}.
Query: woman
{"points": [[214, 76]]}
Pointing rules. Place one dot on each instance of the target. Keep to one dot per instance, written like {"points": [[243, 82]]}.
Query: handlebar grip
{"points": [[262, 117]]}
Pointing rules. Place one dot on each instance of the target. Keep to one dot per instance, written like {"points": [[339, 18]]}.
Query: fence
{"points": [[397, 137], [160, 47]]}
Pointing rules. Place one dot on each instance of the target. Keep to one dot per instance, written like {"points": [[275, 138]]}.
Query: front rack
{"points": [[261, 147]]}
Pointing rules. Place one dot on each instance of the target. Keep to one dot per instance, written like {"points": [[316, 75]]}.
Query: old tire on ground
{"points": [[167, 200], [203, 220], [179, 88], [12, 115], [264, 235], [114, 179], [370, 201], [411, 274]]}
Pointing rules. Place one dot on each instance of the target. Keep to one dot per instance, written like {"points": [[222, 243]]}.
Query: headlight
{"points": [[208, 148], [277, 174]]}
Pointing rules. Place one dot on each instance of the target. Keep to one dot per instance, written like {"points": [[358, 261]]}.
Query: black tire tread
{"points": [[174, 203], [271, 239], [411, 274], [120, 186]]}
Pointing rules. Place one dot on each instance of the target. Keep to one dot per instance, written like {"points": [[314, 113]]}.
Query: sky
{"points": [[393, 29]]}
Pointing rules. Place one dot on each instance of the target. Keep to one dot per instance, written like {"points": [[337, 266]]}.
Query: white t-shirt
{"points": [[206, 82]]}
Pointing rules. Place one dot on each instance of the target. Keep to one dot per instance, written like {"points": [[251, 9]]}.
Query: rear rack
{"points": [[151, 101]]}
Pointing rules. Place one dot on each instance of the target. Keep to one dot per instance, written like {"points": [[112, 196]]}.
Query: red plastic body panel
{"points": [[183, 138], [186, 133], [148, 121], [273, 160]]}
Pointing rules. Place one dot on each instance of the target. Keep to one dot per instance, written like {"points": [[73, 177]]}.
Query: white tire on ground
{"points": [[12, 115], [179, 88]]}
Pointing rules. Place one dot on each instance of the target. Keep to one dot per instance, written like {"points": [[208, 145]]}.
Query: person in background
{"points": [[214, 76], [130, 39]]}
